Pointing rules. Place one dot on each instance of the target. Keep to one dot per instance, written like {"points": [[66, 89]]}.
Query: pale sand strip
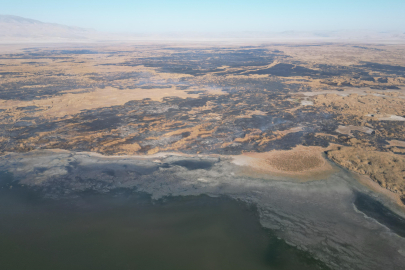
{"points": [[302, 163]]}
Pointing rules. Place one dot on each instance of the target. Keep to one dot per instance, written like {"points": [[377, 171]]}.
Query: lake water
{"points": [[128, 230]]}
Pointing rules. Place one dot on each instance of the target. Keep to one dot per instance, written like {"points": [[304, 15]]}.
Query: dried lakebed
{"points": [[334, 219]]}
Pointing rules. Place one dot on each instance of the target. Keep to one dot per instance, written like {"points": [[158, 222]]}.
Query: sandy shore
{"points": [[303, 163]]}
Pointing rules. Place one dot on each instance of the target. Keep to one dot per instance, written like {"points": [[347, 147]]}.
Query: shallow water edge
{"points": [[320, 217]]}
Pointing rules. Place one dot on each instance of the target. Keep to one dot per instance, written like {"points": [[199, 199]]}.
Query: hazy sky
{"points": [[214, 15]]}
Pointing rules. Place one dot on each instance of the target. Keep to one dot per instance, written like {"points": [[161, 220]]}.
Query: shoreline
{"points": [[366, 181], [317, 207], [254, 165]]}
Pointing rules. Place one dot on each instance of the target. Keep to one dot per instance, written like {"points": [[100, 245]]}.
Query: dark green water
{"points": [[125, 230]]}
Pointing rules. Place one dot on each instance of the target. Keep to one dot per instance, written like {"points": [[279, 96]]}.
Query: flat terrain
{"points": [[312, 135], [346, 100]]}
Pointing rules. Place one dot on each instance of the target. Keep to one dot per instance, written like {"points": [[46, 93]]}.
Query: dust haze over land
{"points": [[15, 29], [261, 123]]}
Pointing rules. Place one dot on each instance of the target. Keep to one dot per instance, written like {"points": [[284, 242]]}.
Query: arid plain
{"points": [[345, 100], [293, 112]]}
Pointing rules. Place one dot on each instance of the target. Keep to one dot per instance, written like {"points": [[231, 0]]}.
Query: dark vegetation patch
{"points": [[76, 52], [195, 92], [185, 134], [367, 78], [397, 70], [10, 73], [28, 108], [254, 97], [35, 63], [40, 87], [116, 76], [200, 62], [101, 124], [155, 86], [305, 45], [268, 95], [39, 55], [368, 48], [285, 70]]}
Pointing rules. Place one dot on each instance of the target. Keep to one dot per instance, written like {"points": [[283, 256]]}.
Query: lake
{"points": [[123, 229]]}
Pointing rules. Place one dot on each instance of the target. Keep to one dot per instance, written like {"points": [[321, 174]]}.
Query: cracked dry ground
{"points": [[135, 100]]}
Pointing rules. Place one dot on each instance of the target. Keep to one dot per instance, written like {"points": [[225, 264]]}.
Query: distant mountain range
{"points": [[14, 29]]}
